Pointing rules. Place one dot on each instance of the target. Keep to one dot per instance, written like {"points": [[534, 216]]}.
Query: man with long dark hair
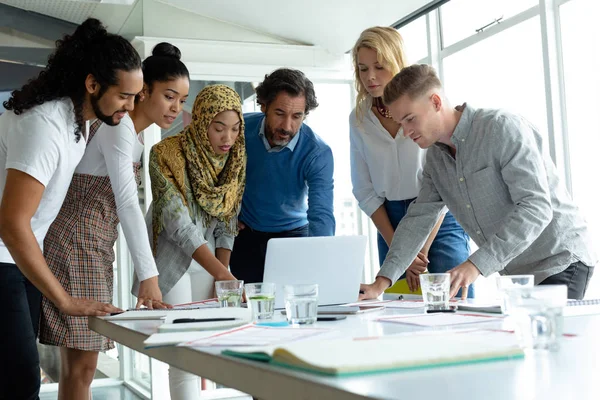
{"points": [[91, 74]]}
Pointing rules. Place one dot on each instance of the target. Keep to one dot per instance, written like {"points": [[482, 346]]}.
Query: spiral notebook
{"points": [[582, 307]]}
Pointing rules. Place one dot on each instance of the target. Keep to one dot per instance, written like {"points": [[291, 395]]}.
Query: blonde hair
{"points": [[389, 46], [413, 81]]}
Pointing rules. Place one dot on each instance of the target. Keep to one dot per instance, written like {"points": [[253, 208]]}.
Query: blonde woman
{"points": [[386, 167]]}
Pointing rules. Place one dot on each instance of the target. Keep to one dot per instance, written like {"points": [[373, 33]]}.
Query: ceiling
{"points": [[113, 13], [332, 24], [28, 28]]}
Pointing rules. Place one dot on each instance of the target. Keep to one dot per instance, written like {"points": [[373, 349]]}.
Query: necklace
{"points": [[382, 109]]}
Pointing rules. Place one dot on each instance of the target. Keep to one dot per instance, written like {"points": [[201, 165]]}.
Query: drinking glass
{"points": [[506, 283], [229, 293], [537, 314], [436, 291], [301, 303], [261, 299]]}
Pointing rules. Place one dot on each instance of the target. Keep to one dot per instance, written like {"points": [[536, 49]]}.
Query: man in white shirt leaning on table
{"points": [[491, 171]]}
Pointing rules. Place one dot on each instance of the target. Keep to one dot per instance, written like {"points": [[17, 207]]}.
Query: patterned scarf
{"points": [[186, 165]]}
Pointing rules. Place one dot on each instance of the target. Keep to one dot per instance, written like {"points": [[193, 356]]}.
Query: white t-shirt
{"points": [[382, 167], [111, 152], [41, 142]]}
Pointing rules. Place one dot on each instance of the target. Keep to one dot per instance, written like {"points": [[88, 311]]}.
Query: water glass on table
{"points": [[506, 283], [301, 303], [261, 300], [436, 291], [229, 293], [537, 315]]}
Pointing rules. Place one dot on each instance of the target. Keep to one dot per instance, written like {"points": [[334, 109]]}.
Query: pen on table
{"points": [[450, 310], [186, 320]]}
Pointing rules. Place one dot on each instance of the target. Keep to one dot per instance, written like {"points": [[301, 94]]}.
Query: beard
{"points": [[105, 118], [270, 134]]}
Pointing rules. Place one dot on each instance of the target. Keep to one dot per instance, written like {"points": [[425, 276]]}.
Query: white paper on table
{"points": [[404, 304], [252, 335], [158, 314], [390, 303], [174, 338], [209, 303], [439, 319], [367, 303]]}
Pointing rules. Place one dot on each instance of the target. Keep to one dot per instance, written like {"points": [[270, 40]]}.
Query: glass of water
{"points": [[507, 283], [301, 303], [436, 291], [261, 299], [229, 293], [537, 314]]}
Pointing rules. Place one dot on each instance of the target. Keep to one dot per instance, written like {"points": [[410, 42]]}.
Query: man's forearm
{"points": [[409, 238]]}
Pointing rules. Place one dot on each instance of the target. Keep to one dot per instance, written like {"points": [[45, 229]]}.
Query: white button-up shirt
{"points": [[382, 167]]}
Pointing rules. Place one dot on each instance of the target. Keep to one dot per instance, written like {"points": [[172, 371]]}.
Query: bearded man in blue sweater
{"points": [[289, 175]]}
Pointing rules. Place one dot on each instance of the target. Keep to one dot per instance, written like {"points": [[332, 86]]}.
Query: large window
{"points": [[497, 73], [463, 18], [581, 61], [491, 54], [415, 39], [330, 121]]}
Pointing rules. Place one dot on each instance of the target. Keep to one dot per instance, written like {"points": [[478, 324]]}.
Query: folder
{"points": [[357, 356], [401, 287]]}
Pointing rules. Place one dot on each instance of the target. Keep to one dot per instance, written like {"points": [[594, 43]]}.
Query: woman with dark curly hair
{"points": [[91, 74]]}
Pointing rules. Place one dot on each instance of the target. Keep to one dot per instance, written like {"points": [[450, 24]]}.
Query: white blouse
{"points": [[111, 152], [382, 167]]}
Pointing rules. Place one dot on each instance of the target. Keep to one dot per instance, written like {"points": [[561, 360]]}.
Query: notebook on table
{"points": [[348, 356], [581, 307]]}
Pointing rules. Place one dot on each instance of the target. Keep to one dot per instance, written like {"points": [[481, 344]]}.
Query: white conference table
{"points": [[573, 372]]}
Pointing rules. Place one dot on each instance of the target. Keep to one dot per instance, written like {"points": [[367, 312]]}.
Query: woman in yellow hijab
{"points": [[198, 179]]}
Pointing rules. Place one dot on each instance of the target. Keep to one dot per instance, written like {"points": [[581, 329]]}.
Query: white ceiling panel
{"points": [[332, 24], [113, 15]]}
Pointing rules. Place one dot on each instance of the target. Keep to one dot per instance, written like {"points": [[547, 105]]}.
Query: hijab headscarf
{"points": [[186, 165]]}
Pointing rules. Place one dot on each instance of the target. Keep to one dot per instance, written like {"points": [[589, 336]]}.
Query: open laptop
{"points": [[335, 263]]}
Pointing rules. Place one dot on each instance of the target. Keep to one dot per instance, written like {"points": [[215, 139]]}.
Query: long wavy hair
{"points": [[389, 46], [89, 50]]}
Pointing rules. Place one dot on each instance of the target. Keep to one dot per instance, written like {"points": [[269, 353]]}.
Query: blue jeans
{"points": [[449, 248], [20, 363]]}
